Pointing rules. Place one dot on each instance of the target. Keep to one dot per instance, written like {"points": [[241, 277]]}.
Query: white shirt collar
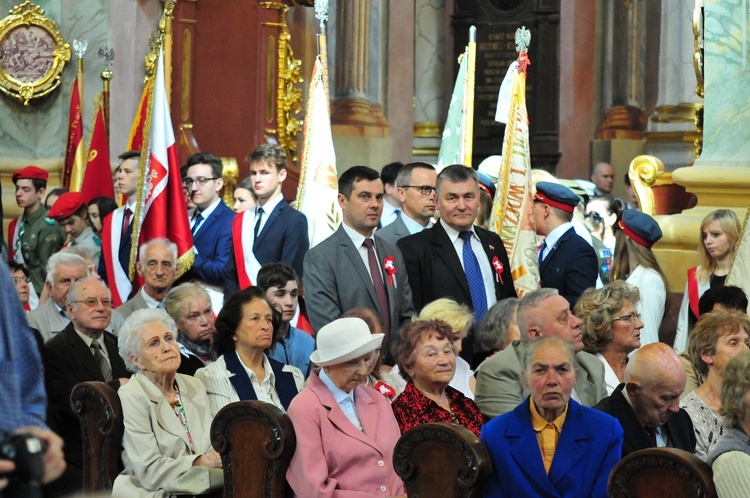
{"points": [[453, 233], [270, 204], [338, 395], [357, 238], [150, 301], [269, 377], [555, 235], [210, 209]]}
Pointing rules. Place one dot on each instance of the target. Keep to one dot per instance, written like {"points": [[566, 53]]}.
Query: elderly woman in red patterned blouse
{"points": [[426, 357]]}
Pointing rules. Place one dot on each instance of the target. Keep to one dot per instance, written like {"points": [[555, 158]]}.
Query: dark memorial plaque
{"points": [[496, 22]]}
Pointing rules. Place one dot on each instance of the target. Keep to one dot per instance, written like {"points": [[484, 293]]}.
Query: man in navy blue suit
{"points": [[211, 225], [566, 261], [549, 445], [273, 232]]}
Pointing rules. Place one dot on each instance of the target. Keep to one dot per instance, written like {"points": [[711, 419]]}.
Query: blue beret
{"points": [[640, 227], [486, 184], [556, 195]]}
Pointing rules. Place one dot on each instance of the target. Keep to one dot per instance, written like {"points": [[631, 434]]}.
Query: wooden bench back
{"points": [[256, 442], [100, 413], [439, 459], [661, 473]]}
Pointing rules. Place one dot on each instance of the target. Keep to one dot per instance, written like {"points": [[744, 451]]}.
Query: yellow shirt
{"points": [[547, 434]]}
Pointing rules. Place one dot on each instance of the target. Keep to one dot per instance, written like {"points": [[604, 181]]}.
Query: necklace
{"points": [[705, 391]]}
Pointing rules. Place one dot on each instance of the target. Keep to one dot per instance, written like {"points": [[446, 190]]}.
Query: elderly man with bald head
{"points": [[647, 404], [82, 351], [543, 312], [550, 445]]}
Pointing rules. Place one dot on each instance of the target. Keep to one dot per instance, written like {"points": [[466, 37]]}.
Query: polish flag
{"points": [[160, 210]]}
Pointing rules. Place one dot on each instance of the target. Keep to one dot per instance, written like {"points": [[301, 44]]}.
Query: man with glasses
{"points": [[82, 351], [542, 312], [415, 186], [63, 270], [157, 260], [117, 230], [210, 224]]}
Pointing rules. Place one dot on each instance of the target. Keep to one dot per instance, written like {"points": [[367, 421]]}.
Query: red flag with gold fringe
{"points": [[74, 151]]}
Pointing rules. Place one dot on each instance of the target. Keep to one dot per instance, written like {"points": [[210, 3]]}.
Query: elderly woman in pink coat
{"points": [[345, 430]]}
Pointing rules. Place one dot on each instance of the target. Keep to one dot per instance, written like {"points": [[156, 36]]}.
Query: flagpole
{"points": [[468, 136], [168, 16], [106, 56]]}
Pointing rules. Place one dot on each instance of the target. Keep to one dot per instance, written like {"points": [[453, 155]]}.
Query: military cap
{"points": [[640, 227], [556, 195], [486, 184], [66, 206], [31, 173]]}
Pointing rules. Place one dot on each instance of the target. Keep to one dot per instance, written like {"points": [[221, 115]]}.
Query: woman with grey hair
{"points": [[189, 305], [730, 458], [166, 443], [498, 329]]}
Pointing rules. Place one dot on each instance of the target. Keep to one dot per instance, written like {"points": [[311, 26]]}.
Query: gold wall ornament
{"points": [[288, 92], [230, 174], [33, 53]]}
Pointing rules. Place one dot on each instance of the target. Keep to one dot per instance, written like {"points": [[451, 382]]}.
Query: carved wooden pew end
{"points": [[441, 459], [661, 473], [100, 413], [256, 442]]}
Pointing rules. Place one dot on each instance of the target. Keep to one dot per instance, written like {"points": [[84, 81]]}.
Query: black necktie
{"points": [[258, 221], [101, 361], [198, 222]]}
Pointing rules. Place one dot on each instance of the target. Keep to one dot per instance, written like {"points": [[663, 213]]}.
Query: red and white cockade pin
{"points": [[499, 268], [389, 263], [385, 389]]}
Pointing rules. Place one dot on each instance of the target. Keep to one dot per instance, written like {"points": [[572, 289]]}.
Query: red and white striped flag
{"points": [[160, 210]]}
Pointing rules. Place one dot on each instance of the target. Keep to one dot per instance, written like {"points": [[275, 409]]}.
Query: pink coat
{"points": [[335, 459]]}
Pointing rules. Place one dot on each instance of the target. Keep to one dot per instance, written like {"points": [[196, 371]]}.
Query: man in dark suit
{"points": [[550, 445], [117, 230], [273, 232], [82, 351], [455, 258], [211, 225], [648, 403], [566, 261], [351, 268], [416, 189]]}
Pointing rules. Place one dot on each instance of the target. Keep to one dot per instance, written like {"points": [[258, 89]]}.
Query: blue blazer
{"points": [[283, 238], [214, 245], [587, 451], [571, 267]]}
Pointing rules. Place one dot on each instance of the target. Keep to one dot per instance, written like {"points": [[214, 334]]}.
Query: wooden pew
{"points": [[100, 414], [661, 473], [440, 459], [256, 442]]}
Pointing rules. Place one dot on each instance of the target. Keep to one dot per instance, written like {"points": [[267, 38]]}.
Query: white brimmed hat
{"points": [[343, 340]]}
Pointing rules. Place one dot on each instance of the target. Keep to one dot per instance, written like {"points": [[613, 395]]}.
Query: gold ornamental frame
{"points": [[33, 53]]}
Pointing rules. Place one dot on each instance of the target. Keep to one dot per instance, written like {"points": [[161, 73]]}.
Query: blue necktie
{"points": [[474, 277], [197, 224], [541, 252]]}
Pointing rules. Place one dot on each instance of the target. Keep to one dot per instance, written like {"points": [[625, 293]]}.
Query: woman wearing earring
{"points": [[720, 231], [611, 327], [635, 263]]}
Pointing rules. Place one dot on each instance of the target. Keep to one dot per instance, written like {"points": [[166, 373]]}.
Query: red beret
{"points": [[66, 206], [30, 172]]}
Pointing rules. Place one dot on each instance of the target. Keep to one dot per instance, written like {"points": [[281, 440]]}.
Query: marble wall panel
{"points": [[429, 64]]}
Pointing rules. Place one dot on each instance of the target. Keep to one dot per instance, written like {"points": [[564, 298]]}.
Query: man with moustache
{"points": [[542, 312], [82, 351], [352, 268], [157, 262], [415, 187]]}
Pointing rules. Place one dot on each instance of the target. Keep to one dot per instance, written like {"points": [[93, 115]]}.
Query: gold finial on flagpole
{"points": [[106, 56]]}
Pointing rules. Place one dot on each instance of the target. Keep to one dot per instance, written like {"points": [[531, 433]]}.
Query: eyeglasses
{"points": [[201, 181], [423, 189], [92, 302], [18, 280], [631, 317], [594, 216]]}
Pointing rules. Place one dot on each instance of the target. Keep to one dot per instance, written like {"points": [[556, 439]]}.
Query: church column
{"points": [[720, 178], [358, 31]]}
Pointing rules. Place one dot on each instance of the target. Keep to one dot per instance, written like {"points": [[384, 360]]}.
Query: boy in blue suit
{"points": [[551, 446]]}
